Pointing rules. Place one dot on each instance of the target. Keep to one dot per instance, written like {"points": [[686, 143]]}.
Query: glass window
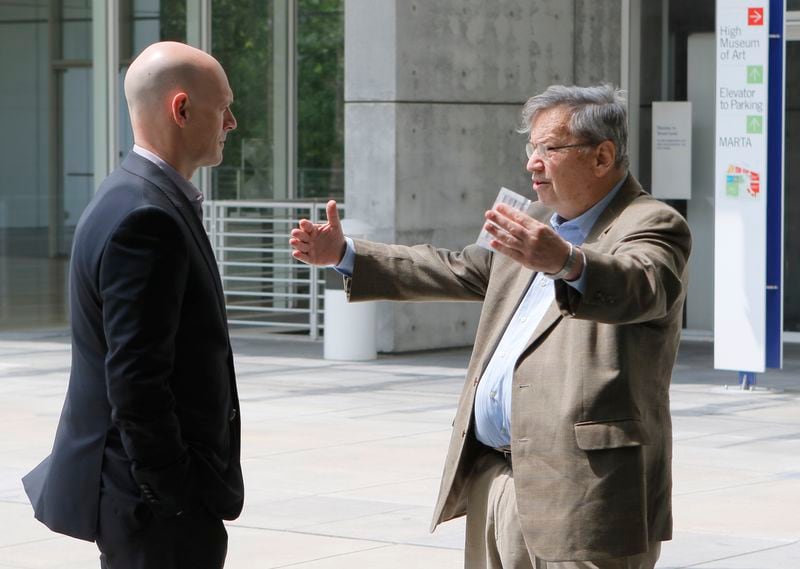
{"points": [[792, 5], [47, 165], [76, 29], [285, 63], [288, 99], [32, 224], [143, 22], [320, 99], [241, 39]]}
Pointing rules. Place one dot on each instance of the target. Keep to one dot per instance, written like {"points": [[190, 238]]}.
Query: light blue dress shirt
{"points": [[493, 397]]}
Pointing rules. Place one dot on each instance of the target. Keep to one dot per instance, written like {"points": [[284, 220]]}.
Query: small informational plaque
{"points": [[672, 150]]}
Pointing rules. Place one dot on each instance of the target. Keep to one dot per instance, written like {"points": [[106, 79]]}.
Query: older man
{"points": [[146, 456], [561, 448]]}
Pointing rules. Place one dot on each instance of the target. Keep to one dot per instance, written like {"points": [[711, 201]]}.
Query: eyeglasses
{"points": [[544, 151]]}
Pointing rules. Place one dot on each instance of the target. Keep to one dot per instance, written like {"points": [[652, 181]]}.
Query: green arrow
{"points": [[755, 74], [754, 125]]}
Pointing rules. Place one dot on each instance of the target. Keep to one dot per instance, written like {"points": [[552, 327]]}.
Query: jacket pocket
{"points": [[597, 435]]}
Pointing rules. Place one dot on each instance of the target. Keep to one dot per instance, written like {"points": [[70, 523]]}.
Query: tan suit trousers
{"points": [[494, 537]]}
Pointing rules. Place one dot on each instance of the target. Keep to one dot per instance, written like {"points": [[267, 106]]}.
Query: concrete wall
{"points": [[433, 92], [598, 31]]}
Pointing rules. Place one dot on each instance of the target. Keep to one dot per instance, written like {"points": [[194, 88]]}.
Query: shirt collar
{"points": [[576, 230], [188, 189]]}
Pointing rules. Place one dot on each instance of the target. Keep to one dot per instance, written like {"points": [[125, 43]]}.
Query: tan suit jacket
{"points": [[590, 420]]}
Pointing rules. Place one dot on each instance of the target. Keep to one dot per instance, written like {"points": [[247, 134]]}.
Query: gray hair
{"points": [[598, 113]]}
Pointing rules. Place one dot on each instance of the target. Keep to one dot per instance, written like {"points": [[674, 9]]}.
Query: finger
{"points": [[333, 214], [300, 235], [505, 250], [501, 235], [516, 216], [506, 223], [307, 226], [299, 245], [300, 256]]}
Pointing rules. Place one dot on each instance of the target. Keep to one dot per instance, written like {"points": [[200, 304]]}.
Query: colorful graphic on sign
{"points": [[739, 180], [755, 16]]}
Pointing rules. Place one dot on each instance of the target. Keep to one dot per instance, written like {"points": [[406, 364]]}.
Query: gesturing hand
{"points": [[526, 240], [321, 243]]}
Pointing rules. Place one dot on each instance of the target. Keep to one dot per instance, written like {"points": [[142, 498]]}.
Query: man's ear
{"points": [[179, 107], [605, 156]]}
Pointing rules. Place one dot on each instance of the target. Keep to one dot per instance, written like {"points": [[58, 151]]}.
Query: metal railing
{"points": [[264, 286]]}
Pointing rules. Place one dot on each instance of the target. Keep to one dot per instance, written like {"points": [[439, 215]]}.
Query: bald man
{"points": [[146, 454]]}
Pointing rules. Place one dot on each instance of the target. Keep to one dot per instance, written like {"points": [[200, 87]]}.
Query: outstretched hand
{"points": [[529, 242], [321, 243]]}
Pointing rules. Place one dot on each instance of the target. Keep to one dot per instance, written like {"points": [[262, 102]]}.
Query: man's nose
{"points": [[535, 163], [231, 121]]}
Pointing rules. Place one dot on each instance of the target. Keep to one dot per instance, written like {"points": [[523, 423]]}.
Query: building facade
{"points": [[406, 108]]}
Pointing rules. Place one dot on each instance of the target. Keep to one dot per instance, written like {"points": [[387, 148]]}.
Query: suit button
{"points": [[147, 492], [463, 434], [232, 415]]}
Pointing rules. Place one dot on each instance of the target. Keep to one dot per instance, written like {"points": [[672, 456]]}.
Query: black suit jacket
{"points": [[151, 412]]}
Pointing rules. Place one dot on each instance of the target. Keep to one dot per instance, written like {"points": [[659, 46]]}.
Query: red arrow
{"points": [[755, 16]]}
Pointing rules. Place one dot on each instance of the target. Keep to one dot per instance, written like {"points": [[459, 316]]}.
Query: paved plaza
{"points": [[342, 460]]}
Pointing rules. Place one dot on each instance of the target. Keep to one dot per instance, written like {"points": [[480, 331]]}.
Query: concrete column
{"points": [[433, 92], [597, 41]]}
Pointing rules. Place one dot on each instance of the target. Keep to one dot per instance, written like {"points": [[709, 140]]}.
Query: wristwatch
{"points": [[569, 264]]}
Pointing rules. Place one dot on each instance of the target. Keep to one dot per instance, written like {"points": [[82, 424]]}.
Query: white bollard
{"points": [[350, 328]]}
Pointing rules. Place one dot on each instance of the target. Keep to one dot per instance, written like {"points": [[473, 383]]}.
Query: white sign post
{"points": [[672, 150], [740, 186]]}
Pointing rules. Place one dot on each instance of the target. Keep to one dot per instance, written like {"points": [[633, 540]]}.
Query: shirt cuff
{"points": [[578, 284], [345, 266]]}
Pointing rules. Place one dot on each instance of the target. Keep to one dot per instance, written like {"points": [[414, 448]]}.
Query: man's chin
{"points": [[215, 161], [543, 197]]}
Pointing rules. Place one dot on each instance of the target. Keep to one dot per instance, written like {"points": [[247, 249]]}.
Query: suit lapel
{"points": [[140, 166], [550, 318], [627, 193], [513, 282], [516, 282]]}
